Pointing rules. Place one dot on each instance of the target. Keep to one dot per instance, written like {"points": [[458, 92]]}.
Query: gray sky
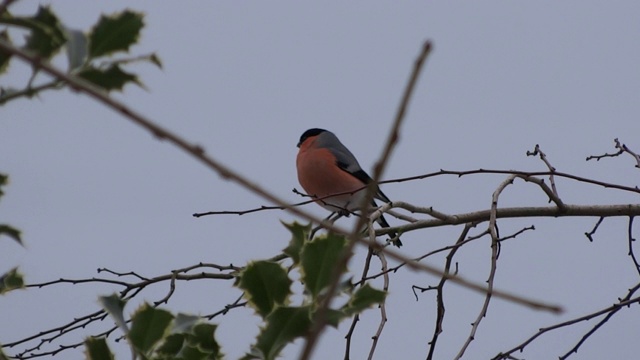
{"points": [[90, 190]]}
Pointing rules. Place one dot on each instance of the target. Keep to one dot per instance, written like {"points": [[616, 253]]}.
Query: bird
{"points": [[326, 167]]}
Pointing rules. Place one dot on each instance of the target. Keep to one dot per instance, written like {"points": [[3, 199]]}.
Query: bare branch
{"points": [[493, 232], [610, 311], [516, 212], [383, 309], [590, 234], [631, 240], [440, 291], [622, 148], [552, 170]]}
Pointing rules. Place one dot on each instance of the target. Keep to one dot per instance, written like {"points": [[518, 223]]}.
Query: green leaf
{"points": [[203, 338], [148, 327], [111, 78], [115, 32], [77, 48], [172, 345], [266, 285], [4, 57], [49, 37], [11, 232], [363, 298], [11, 280], [46, 33], [299, 233], [197, 342], [97, 349], [319, 258], [183, 323], [114, 306], [284, 325]]}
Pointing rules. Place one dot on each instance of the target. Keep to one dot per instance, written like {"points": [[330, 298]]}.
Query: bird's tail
{"points": [[395, 239]]}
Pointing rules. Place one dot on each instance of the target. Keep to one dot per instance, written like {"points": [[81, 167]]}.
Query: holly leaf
{"points": [[111, 78], [46, 35], [266, 285], [148, 326], [114, 306], [362, 299], [97, 349], [319, 258], [11, 232], [299, 233], [115, 32], [11, 280], [284, 325]]}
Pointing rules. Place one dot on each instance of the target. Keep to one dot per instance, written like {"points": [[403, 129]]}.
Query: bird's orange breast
{"points": [[320, 176]]}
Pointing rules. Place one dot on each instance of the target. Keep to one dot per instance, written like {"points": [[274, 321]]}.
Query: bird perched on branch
{"points": [[326, 167]]}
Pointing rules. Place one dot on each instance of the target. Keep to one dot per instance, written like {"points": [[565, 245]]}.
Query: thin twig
{"points": [[622, 148], [440, 304], [492, 229], [590, 234], [383, 309], [610, 311], [631, 240]]}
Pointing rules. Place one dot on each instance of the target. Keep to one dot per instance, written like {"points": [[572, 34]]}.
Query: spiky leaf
{"points": [[115, 32], [46, 34], [299, 233], [266, 285], [111, 78], [319, 258], [11, 232], [362, 299], [97, 349], [114, 306], [148, 326], [284, 325], [171, 346], [11, 280], [203, 338]]}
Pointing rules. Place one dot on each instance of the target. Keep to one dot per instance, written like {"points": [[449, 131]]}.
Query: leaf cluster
{"points": [[154, 333], [267, 287], [92, 55], [157, 334]]}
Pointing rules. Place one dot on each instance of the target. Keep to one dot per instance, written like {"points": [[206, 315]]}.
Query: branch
{"points": [[383, 310], [515, 212], [525, 175], [631, 240], [622, 148], [492, 230], [610, 311], [552, 170], [440, 290]]}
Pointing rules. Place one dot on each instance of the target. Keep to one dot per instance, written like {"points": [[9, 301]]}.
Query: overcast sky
{"points": [[89, 189]]}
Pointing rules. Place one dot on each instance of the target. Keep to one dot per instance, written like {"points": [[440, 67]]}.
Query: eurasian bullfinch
{"points": [[326, 167]]}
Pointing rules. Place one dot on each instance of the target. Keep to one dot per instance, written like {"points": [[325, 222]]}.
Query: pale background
{"points": [[244, 80]]}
